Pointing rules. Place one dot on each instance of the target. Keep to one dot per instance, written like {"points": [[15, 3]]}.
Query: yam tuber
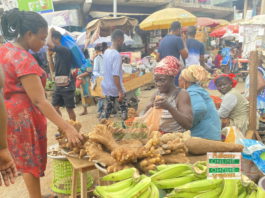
{"points": [[175, 158], [200, 146]]}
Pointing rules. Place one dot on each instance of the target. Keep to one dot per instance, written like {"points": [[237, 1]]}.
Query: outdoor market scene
{"points": [[132, 99]]}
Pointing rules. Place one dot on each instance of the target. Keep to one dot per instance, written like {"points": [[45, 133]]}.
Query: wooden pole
{"points": [[262, 7], [51, 66], [245, 8], [253, 75]]}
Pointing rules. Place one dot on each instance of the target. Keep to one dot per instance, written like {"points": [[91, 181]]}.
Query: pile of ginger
{"points": [[143, 153]]}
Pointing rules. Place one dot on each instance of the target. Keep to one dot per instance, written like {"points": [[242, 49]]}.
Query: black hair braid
{"points": [[10, 24], [15, 23]]}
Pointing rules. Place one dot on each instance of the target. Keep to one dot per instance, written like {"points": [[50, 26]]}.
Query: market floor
{"points": [[18, 190]]}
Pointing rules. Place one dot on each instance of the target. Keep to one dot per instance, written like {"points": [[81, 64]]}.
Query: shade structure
{"points": [[207, 22], [127, 41], [219, 32], [163, 19], [223, 22], [256, 20]]}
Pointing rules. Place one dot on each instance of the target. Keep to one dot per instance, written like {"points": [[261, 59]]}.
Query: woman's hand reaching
{"points": [[8, 171], [72, 135]]}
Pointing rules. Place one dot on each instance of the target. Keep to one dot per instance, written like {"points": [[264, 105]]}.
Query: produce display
{"points": [[117, 147], [134, 147], [176, 181]]}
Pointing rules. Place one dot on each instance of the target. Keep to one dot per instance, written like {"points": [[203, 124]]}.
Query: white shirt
{"points": [[228, 104], [112, 67]]}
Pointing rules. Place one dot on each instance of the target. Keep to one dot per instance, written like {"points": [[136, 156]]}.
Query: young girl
{"points": [[24, 95], [234, 107]]}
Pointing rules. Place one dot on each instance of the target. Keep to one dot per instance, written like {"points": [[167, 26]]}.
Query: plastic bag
{"points": [[232, 135], [78, 56], [151, 119], [254, 151]]}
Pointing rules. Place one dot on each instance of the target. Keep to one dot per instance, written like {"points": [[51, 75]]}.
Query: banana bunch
{"points": [[130, 185], [181, 180]]}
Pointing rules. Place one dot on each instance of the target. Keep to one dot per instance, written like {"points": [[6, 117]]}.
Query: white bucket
{"points": [[262, 183]]}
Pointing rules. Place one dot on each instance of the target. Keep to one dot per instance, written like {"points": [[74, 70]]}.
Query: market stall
{"points": [[135, 74], [172, 161], [104, 26]]}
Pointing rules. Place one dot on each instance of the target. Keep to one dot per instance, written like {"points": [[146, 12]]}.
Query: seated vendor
{"points": [[234, 107], [206, 121], [175, 102]]}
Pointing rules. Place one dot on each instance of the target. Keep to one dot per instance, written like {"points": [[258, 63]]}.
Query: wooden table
{"points": [[80, 166]]}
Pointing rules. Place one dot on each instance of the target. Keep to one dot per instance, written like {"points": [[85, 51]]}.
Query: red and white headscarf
{"points": [[169, 66]]}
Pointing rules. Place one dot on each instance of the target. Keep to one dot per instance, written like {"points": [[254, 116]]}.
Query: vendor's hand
{"points": [[162, 103], [121, 96], [73, 136], [8, 169]]}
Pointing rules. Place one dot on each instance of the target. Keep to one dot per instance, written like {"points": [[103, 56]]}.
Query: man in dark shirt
{"points": [[196, 49], [172, 44], [64, 96]]}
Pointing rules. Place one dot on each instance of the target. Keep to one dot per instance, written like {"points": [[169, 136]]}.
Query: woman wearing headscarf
{"points": [[234, 107], [206, 122], [175, 102]]}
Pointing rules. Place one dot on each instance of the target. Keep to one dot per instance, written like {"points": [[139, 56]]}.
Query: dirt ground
{"points": [[18, 190]]}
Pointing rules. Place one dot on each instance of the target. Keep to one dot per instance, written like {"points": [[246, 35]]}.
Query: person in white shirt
{"points": [[98, 71], [112, 85]]}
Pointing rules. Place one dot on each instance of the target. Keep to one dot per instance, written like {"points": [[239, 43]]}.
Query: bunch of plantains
{"points": [[180, 180]]}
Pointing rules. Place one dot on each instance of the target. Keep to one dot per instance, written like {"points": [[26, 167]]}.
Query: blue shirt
{"points": [[170, 45], [196, 49], [112, 67], [206, 122]]}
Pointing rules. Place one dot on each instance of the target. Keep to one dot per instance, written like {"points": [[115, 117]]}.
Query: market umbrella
{"points": [[223, 22], [230, 36], [219, 32], [162, 19], [207, 22]]}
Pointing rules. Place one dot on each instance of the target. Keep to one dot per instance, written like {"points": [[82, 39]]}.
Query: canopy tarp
{"points": [[207, 22], [103, 27], [221, 31], [163, 19], [223, 22], [256, 20]]}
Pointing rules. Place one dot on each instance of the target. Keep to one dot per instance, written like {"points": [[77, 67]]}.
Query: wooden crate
{"points": [[134, 83], [138, 82]]}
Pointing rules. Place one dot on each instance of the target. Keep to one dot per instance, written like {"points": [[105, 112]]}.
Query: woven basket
{"points": [[62, 177]]}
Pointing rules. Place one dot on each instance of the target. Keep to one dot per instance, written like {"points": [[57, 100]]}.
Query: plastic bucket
{"points": [[262, 183]]}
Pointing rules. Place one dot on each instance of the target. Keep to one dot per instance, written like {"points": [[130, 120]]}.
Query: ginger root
{"points": [[101, 134], [96, 152]]}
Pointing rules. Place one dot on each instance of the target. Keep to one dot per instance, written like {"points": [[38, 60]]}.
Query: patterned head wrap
{"points": [[195, 74], [230, 76], [169, 66]]}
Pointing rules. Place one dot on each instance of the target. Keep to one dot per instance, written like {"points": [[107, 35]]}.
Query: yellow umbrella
{"points": [[162, 19]]}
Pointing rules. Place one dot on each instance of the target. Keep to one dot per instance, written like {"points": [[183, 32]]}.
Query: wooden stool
{"points": [[80, 166]]}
